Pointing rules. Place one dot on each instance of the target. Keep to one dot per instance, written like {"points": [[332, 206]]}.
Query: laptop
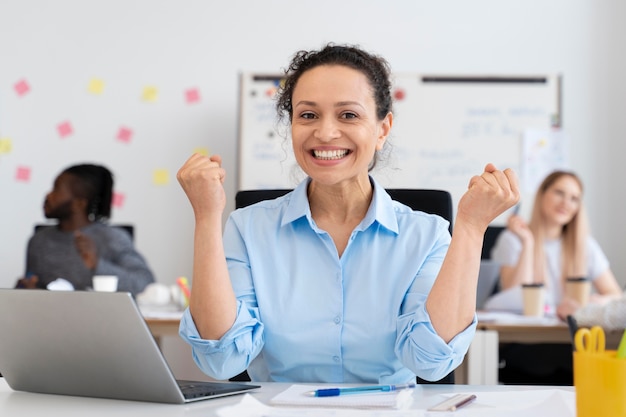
{"points": [[91, 344]]}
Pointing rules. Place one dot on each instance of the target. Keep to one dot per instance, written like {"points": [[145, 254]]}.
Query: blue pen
{"points": [[334, 392]]}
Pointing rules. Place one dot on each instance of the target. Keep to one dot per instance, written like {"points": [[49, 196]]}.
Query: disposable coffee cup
{"points": [[105, 283], [579, 289], [534, 299]]}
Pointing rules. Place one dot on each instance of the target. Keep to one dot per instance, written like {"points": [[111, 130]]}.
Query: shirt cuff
{"points": [[232, 353]]}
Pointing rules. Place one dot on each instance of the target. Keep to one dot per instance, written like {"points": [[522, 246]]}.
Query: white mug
{"points": [[106, 283]]}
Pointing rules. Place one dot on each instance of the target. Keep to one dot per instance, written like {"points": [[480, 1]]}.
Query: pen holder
{"points": [[600, 381]]}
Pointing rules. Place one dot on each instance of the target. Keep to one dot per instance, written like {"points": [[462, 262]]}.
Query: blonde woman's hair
{"points": [[573, 235]]}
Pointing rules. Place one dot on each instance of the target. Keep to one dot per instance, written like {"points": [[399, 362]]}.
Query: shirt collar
{"points": [[381, 209]]}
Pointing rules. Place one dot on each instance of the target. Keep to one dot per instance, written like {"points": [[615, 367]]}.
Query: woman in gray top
{"points": [[82, 244]]}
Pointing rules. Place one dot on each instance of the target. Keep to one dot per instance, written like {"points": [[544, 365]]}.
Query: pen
{"points": [[334, 392], [463, 402], [621, 350]]}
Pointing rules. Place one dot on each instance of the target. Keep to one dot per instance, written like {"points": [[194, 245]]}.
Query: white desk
{"points": [[18, 404]]}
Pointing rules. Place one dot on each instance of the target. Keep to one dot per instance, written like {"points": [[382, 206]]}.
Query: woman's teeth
{"points": [[334, 154]]}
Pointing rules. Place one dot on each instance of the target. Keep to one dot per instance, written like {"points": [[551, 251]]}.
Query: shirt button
{"points": [[337, 320], [336, 358]]}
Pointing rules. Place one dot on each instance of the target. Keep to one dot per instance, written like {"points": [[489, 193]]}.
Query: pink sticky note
{"points": [[21, 87], [124, 134], [65, 129], [22, 174], [192, 95], [118, 200]]}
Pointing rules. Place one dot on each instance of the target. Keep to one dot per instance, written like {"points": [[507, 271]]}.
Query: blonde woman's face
{"points": [[561, 201]]}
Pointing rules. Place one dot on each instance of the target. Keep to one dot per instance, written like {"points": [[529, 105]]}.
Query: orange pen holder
{"points": [[600, 381]]}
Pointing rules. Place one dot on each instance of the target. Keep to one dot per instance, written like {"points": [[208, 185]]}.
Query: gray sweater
{"points": [[52, 254], [610, 316]]}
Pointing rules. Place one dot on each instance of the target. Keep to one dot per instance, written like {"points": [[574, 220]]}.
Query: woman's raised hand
{"points": [[202, 179]]}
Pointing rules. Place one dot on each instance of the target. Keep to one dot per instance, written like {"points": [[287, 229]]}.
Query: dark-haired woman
{"points": [[334, 282], [83, 244]]}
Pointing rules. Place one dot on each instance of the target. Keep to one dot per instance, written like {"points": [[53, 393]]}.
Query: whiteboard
{"points": [[446, 129]]}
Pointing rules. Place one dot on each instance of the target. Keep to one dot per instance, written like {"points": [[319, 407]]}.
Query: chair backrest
{"points": [[488, 281], [128, 227], [437, 202], [248, 197], [491, 235], [429, 201]]}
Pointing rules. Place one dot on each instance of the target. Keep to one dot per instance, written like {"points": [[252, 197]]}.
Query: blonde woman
{"points": [[555, 244]]}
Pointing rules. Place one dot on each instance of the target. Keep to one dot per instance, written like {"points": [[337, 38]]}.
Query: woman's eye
{"points": [[307, 115], [349, 115]]}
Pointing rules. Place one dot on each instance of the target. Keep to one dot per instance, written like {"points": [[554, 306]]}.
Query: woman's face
{"points": [[561, 201], [334, 129]]}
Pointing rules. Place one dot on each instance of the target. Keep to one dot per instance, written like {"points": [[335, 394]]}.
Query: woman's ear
{"points": [[385, 128]]}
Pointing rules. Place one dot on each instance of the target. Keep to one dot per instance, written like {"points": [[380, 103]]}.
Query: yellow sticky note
{"points": [[96, 86], [150, 93], [202, 151], [6, 145], [160, 176]]}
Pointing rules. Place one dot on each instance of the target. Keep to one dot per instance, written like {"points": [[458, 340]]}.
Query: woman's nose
{"points": [[327, 130]]}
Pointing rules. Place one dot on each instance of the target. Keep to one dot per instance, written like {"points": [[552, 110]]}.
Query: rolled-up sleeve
{"points": [[422, 350], [224, 358]]}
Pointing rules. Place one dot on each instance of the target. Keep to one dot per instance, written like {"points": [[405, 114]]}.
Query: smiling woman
{"points": [[335, 281], [555, 244]]}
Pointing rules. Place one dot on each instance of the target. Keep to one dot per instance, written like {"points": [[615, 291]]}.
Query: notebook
{"points": [[91, 344]]}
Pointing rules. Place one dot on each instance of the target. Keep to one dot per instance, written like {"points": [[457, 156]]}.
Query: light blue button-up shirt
{"points": [[307, 315]]}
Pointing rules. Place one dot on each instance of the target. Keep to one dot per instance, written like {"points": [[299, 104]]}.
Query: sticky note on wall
{"points": [[124, 134], [23, 173], [192, 95], [96, 86], [202, 151], [21, 87], [160, 177], [65, 129], [150, 93], [118, 200], [6, 145]]}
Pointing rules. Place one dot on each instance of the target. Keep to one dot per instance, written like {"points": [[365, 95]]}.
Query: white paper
{"points": [[295, 396], [251, 407], [514, 403]]}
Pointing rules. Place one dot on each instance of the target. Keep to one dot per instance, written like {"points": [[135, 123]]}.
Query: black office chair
{"points": [[491, 235], [129, 228], [429, 201]]}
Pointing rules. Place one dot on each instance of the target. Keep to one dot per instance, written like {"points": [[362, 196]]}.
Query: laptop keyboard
{"points": [[198, 389], [193, 389]]}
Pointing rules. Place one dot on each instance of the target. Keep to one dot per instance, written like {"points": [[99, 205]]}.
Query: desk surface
{"points": [[14, 403]]}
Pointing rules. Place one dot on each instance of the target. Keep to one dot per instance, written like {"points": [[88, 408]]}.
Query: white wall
{"points": [[58, 47]]}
